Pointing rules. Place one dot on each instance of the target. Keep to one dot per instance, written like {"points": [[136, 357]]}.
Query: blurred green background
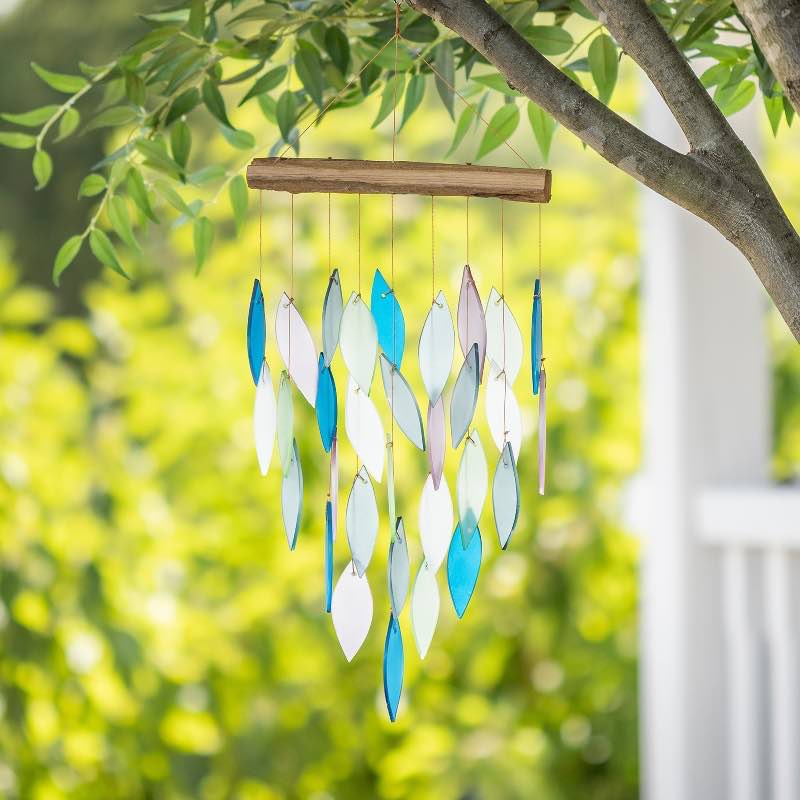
{"points": [[157, 639]]}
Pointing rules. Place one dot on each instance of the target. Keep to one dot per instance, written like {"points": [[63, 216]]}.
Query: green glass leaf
{"points": [[502, 126], [332, 308], [68, 124], [338, 48], [361, 519], [308, 66], [549, 40], [65, 256], [238, 193], [285, 423], [399, 569], [180, 142], [92, 185], [266, 83], [603, 64], [212, 97], [415, 91], [17, 141], [392, 93], [31, 119], [42, 168], [472, 484], [104, 252], [68, 84], [543, 127], [120, 220], [292, 497], [203, 237], [445, 66]]}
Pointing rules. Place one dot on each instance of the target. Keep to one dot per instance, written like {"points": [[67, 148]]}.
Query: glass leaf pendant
{"points": [[424, 608], [325, 404], [361, 518], [297, 348], [437, 440], [536, 335], [393, 667], [359, 341], [264, 419], [463, 566], [503, 425], [399, 570], [328, 556], [285, 422], [505, 495], [464, 397], [402, 403], [351, 610], [435, 522], [436, 348], [292, 497], [388, 319], [472, 484], [256, 331], [332, 308], [503, 337], [542, 429], [471, 319], [364, 429]]}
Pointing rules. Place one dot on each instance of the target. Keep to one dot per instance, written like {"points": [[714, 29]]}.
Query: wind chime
{"points": [[373, 334]]}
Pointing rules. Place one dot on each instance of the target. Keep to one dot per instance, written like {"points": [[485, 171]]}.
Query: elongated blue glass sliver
{"points": [[328, 556], [256, 331], [393, 667], [388, 319], [326, 404], [536, 335], [463, 566]]}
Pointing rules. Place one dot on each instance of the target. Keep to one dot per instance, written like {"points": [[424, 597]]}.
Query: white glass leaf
{"points": [[398, 571], [436, 347], [364, 429], [361, 519], [358, 341], [285, 421], [297, 348], [503, 337], [264, 419], [402, 403], [472, 484], [332, 308], [424, 608], [498, 395], [435, 521], [351, 610]]}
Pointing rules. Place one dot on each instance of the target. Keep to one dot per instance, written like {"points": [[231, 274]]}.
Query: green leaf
{"points": [[268, 107], [182, 105], [308, 66], [286, 113], [368, 77], [111, 118], [543, 127], [157, 157], [92, 185], [445, 66], [121, 222], [180, 141], [338, 48], [31, 119], [266, 83], [414, 94], [392, 93], [735, 97], [68, 124], [65, 256], [496, 82], [420, 30], [134, 183], [203, 234], [705, 20], [549, 40], [19, 141], [603, 65], [213, 172], [135, 89], [774, 109], [68, 84], [197, 18], [238, 193], [502, 125], [104, 251], [173, 198], [467, 117], [42, 168], [716, 75], [240, 139], [214, 102]]}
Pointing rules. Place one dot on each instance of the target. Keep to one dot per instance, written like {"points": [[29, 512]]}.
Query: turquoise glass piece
{"points": [[292, 497], [465, 396], [505, 495], [436, 348], [388, 319], [361, 519], [403, 403], [332, 308], [536, 335], [256, 331], [328, 556], [326, 404], [399, 571], [393, 667], [463, 566]]}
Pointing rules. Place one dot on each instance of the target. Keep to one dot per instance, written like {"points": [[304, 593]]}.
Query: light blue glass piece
{"points": [[361, 519], [292, 497], [256, 331], [505, 495], [465, 396], [463, 566], [403, 403], [326, 404], [393, 667], [328, 556], [399, 569], [536, 335], [332, 308], [388, 319]]}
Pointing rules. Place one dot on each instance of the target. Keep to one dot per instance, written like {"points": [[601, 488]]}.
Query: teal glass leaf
{"points": [[464, 397], [505, 495], [326, 405], [256, 331], [402, 403], [351, 610], [436, 347], [536, 335], [399, 569], [264, 414], [292, 497], [472, 484], [471, 319], [328, 555], [388, 319], [503, 337], [285, 421], [359, 341], [297, 348], [463, 566], [332, 308], [424, 608], [361, 518], [437, 441], [364, 429], [393, 667], [435, 521]]}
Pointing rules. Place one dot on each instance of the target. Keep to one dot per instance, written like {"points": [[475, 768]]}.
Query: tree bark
{"points": [[718, 180]]}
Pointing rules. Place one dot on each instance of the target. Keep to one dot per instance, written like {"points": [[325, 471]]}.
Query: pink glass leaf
{"points": [[437, 440], [297, 348], [471, 319], [542, 428]]}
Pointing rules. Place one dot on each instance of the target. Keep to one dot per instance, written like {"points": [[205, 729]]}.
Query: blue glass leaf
{"points": [[292, 497], [256, 331], [505, 495], [388, 319], [402, 403], [328, 556], [332, 308], [463, 566], [361, 518], [393, 667], [465, 396], [399, 568], [326, 404], [536, 335]]}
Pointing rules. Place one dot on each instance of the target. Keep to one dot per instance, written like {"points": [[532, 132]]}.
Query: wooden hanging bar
{"points": [[345, 176]]}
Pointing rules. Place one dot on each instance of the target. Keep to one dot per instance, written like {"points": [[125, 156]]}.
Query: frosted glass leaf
{"points": [[435, 521], [399, 570], [390, 479], [402, 403], [471, 320], [328, 555], [359, 341], [472, 484], [437, 440], [334, 485], [285, 423], [542, 429], [393, 667], [505, 496], [436, 346], [498, 395], [388, 319], [364, 429], [424, 608], [264, 421], [463, 566], [256, 331], [325, 404], [361, 519], [351, 610], [464, 397], [536, 335], [292, 497], [503, 337], [297, 348], [332, 308]]}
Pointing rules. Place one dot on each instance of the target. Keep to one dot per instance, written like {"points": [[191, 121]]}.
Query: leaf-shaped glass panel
{"points": [[388, 319], [256, 331], [536, 335], [472, 485], [393, 667], [334, 484], [285, 423], [464, 397], [351, 610], [436, 347], [292, 497], [361, 519], [542, 429], [364, 429], [332, 308], [297, 348], [399, 571], [503, 337], [402, 403], [503, 425], [437, 440], [390, 479], [463, 566], [424, 608], [471, 319], [264, 421], [435, 521], [328, 555], [325, 404], [359, 341], [505, 496]]}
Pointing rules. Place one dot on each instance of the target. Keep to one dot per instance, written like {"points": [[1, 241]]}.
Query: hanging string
{"points": [[539, 208], [260, 238], [467, 229], [329, 233], [291, 282], [433, 252], [359, 245], [503, 312]]}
